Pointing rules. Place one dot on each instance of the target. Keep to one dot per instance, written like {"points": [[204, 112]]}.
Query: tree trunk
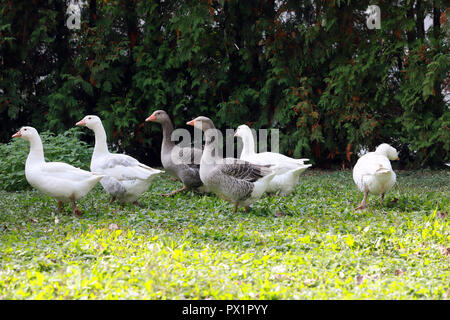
{"points": [[436, 18], [92, 13], [420, 29]]}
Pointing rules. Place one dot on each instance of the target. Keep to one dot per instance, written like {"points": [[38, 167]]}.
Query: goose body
{"points": [[59, 180], [182, 163], [235, 180], [125, 177], [288, 169], [284, 183], [373, 172]]}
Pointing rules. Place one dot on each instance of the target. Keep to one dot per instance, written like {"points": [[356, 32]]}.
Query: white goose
{"points": [[288, 169], [373, 172], [59, 180], [126, 178], [235, 180]]}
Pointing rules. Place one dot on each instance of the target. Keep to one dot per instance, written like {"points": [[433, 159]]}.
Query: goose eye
{"points": [[24, 129], [89, 118]]}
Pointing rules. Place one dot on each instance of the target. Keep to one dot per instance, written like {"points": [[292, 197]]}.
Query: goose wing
{"points": [[281, 159], [61, 170], [243, 170], [123, 167]]}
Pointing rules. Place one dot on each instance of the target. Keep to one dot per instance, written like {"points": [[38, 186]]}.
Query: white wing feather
{"points": [[123, 167], [286, 163], [62, 170]]}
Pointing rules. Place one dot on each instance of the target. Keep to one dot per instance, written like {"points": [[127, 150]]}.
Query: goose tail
{"points": [[300, 170], [267, 172], [153, 172], [301, 161], [382, 171], [96, 176]]}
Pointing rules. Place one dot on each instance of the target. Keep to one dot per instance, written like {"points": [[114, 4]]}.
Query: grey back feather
{"points": [[244, 170], [119, 160]]}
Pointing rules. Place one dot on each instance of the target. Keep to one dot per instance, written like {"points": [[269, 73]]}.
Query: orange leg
{"points": [[363, 204], [174, 192], [75, 209]]}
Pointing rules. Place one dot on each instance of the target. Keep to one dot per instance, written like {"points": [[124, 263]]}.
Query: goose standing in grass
{"points": [[373, 172], [178, 161], [125, 177], [59, 180], [235, 180], [288, 169]]}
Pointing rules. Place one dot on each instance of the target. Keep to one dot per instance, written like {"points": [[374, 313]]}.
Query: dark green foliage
{"points": [[310, 68], [65, 147]]}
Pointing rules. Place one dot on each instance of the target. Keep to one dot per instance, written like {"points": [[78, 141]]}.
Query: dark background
{"points": [[313, 69]]}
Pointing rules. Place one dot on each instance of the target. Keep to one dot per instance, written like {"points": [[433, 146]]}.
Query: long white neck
{"points": [[101, 147], [36, 154], [211, 151], [248, 144]]}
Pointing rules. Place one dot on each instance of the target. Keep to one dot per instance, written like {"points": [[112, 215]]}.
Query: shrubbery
{"points": [[66, 147], [313, 69]]}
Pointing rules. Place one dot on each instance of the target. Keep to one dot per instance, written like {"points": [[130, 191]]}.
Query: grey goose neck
{"points": [[167, 143], [211, 150]]}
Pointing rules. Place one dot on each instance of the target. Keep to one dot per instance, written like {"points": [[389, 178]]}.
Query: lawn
{"points": [[309, 245]]}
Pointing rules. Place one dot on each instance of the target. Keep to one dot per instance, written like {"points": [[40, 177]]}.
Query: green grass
{"points": [[192, 247]]}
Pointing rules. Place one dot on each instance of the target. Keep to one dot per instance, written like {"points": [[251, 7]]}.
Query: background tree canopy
{"points": [[313, 69]]}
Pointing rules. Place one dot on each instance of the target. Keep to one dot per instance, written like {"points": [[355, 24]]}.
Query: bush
{"points": [[312, 69], [65, 147]]}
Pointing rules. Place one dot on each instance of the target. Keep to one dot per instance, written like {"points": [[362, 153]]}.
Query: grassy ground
{"points": [[192, 246]]}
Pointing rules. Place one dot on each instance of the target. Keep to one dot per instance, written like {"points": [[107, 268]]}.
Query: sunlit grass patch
{"points": [[309, 245]]}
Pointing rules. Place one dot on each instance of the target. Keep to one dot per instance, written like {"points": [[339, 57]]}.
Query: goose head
{"points": [[242, 131], [202, 123], [89, 121], [26, 133], [159, 116], [388, 151]]}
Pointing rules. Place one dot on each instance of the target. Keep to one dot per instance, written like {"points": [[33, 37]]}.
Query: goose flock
{"points": [[240, 181]]}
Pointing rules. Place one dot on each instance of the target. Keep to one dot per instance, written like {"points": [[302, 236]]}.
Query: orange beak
{"points": [[81, 123], [191, 123], [18, 134], [151, 118], [235, 134]]}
